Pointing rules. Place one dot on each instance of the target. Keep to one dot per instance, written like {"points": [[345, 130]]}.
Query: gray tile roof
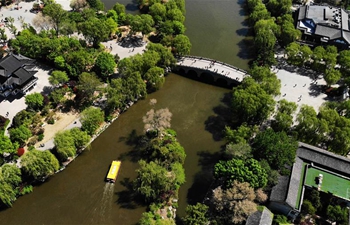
{"points": [[260, 218], [294, 182], [329, 22], [309, 154], [279, 191], [323, 157]]}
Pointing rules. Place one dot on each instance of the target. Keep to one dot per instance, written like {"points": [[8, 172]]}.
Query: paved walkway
{"points": [[301, 89], [213, 66]]}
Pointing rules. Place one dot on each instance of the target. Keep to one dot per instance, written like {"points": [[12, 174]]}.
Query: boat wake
{"points": [[103, 209]]}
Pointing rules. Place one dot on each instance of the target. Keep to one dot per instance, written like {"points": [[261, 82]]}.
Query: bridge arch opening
{"points": [[207, 77], [222, 82], [192, 74], [181, 71]]}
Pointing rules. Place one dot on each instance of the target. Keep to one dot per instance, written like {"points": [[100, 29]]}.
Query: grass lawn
{"points": [[332, 183]]}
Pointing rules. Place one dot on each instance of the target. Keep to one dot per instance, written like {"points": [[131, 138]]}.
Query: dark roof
{"points": [[309, 154], [23, 75], [294, 182], [328, 22], [323, 157], [264, 217], [279, 191], [11, 62]]}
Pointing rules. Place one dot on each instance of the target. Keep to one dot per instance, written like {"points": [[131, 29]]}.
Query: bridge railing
{"points": [[200, 68], [212, 60]]}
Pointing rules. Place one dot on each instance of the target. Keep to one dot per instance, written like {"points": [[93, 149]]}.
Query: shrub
{"points": [[40, 137], [51, 120], [26, 190]]}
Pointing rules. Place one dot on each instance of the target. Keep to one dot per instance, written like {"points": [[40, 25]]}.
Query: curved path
{"points": [[212, 66]]}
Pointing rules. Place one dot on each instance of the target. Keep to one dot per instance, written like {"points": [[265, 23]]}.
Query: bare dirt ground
{"points": [[62, 121]]}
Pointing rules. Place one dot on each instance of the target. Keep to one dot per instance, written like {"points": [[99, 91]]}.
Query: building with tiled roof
{"points": [[324, 24], [16, 75], [311, 163]]}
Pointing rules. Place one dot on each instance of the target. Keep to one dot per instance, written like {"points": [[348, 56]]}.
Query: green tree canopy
{"points": [[91, 119], [58, 78], [39, 164], [248, 171], [196, 214], [284, 116], [182, 45], [251, 103], [275, 147], [105, 64], [20, 134], [88, 83], [153, 181], [57, 14], [34, 101]]}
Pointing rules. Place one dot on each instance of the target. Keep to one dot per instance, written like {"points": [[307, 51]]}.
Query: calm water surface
{"points": [[79, 195]]}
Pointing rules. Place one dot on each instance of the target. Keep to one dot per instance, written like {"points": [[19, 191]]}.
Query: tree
{"points": [[114, 95], [153, 182], [251, 103], [34, 101], [267, 79], [158, 12], [298, 54], [20, 134], [259, 12], [248, 171], [331, 57], [10, 177], [64, 143], [91, 119], [105, 64], [78, 5], [96, 4], [182, 45], [265, 41], [58, 78], [332, 76], [42, 22], [310, 129], [317, 56], [94, 30], [338, 214], [166, 58], [57, 14], [289, 33], [133, 87], [166, 149], [155, 78], [275, 147], [196, 214], [234, 205], [284, 116], [23, 118], [241, 135], [157, 121], [344, 61], [6, 146], [238, 151], [308, 208], [39, 164], [88, 83], [81, 138]]}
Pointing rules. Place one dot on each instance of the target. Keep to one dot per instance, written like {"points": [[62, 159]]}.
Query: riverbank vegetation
{"points": [[85, 74], [262, 134], [161, 171]]}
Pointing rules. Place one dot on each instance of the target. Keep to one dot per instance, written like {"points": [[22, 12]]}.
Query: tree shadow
{"points": [[204, 179], [138, 144], [315, 90], [132, 7], [127, 198], [246, 47], [215, 124]]}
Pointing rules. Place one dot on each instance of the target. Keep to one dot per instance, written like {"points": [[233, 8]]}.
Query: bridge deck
{"points": [[217, 67]]}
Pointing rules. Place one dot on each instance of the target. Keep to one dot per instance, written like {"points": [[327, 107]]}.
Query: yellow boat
{"points": [[113, 171]]}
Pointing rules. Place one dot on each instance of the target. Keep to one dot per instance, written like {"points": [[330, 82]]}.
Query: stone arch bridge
{"points": [[211, 70]]}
